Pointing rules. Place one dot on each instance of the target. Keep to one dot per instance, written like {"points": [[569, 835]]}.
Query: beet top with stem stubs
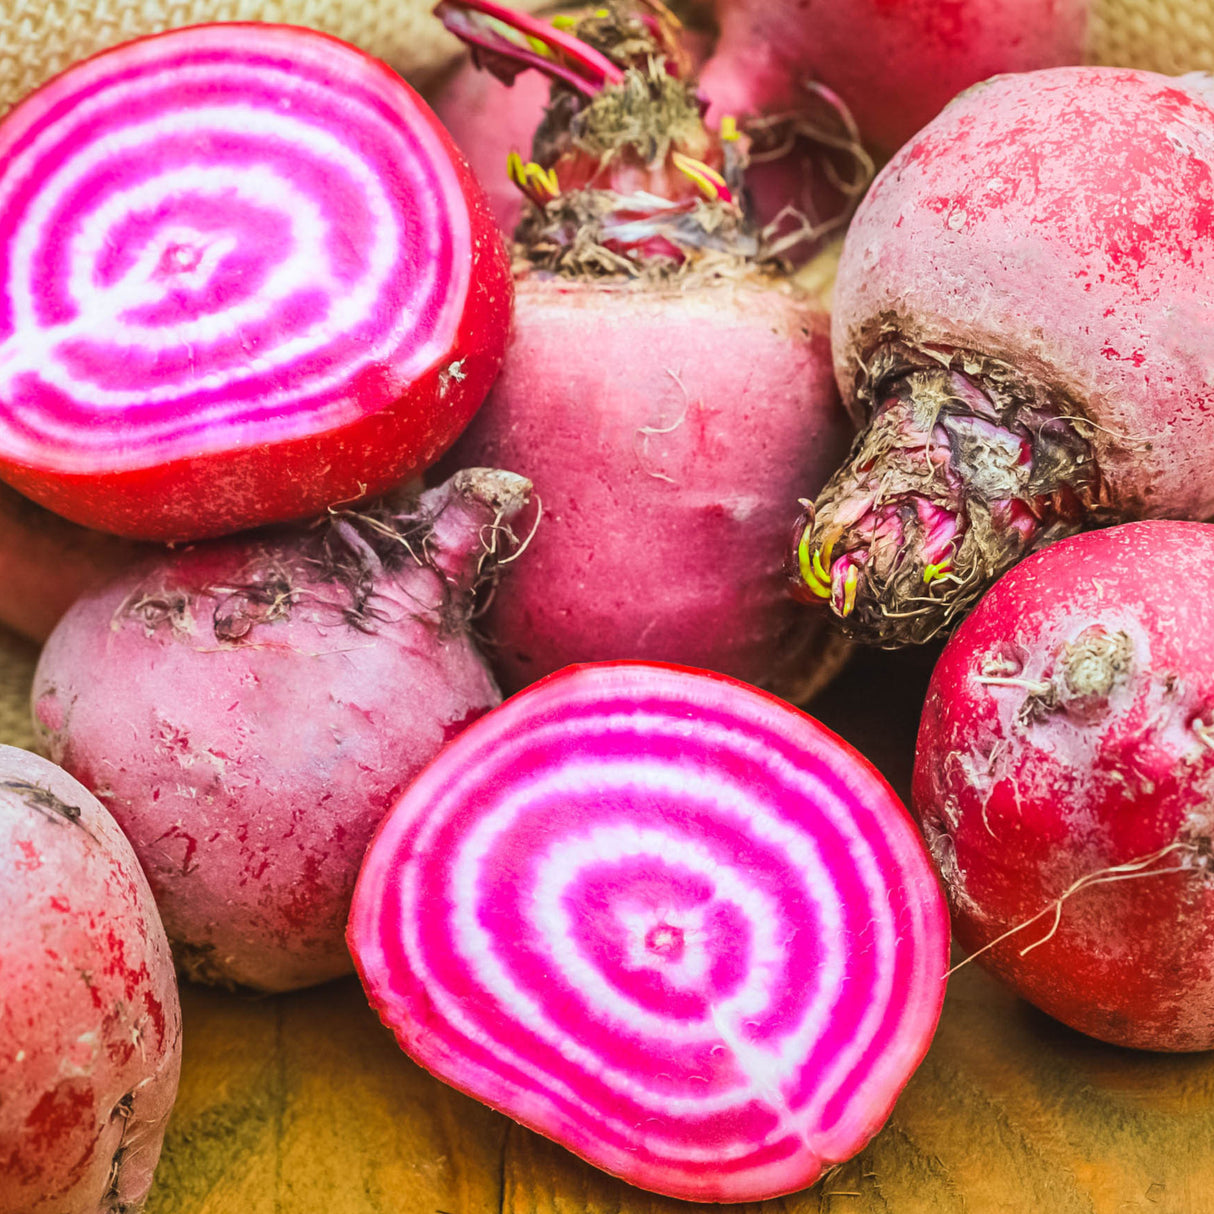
{"points": [[1022, 318], [664, 918]]}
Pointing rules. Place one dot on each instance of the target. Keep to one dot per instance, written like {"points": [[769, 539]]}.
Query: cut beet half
{"points": [[665, 919], [244, 274]]}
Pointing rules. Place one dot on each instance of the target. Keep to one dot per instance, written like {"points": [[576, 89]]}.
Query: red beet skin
{"points": [[664, 483], [1022, 318], [895, 63], [46, 563], [1067, 744], [90, 1026], [246, 276], [489, 119], [667, 920]]}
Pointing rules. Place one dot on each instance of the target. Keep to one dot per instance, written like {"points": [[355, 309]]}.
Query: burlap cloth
{"points": [[40, 37], [17, 658]]}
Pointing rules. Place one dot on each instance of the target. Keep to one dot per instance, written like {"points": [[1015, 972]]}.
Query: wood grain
{"points": [[302, 1104]]}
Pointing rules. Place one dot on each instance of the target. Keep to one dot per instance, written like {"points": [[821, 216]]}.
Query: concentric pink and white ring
{"points": [[210, 228], [665, 919]]}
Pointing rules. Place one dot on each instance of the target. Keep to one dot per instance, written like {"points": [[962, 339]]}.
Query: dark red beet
{"points": [[1065, 782]]}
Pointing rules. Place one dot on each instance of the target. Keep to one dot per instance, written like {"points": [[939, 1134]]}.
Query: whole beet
{"points": [[663, 484], [663, 384], [90, 1026], [1022, 317], [250, 708], [1064, 779]]}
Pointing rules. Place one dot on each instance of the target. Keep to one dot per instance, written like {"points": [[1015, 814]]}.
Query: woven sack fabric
{"points": [[1169, 36], [41, 37], [17, 658]]}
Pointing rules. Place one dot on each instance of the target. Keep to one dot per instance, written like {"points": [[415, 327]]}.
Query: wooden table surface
{"points": [[302, 1103]]}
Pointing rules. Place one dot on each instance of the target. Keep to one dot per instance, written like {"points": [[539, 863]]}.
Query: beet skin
{"points": [[895, 63], [249, 708], [90, 1026], [666, 431], [1064, 780], [46, 563]]}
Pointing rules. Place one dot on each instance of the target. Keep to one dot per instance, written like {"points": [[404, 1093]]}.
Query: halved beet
{"points": [[244, 274], [665, 919]]}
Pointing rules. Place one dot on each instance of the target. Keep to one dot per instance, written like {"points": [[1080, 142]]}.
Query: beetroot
{"points": [[90, 1027], [246, 276], [1065, 781], [663, 391], [249, 709], [665, 919], [1021, 314], [895, 63], [664, 498], [488, 119], [46, 563]]}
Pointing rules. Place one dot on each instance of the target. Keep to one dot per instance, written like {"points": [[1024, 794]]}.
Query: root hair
{"points": [[1131, 870]]}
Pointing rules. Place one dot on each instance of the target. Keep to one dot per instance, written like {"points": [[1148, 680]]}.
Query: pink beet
{"points": [[246, 276], [1021, 315], [894, 63], [1065, 781], [250, 708], [90, 1027], [46, 563], [488, 119], [663, 391], [665, 919], [665, 485]]}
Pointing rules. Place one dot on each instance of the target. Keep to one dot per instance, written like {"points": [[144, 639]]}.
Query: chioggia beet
{"points": [[90, 1027], [1023, 318], [894, 63], [1064, 779], [249, 708], [667, 920], [246, 276], [663, 388]]}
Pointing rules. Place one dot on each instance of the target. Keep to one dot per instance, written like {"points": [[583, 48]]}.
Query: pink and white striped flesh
{"points": [[667, 920], [244, 274]]}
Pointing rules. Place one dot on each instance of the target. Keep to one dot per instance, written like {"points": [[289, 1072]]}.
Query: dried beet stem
{"points": [[964, 469]]}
